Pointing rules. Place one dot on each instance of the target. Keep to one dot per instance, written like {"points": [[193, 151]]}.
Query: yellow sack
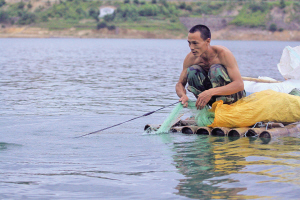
{"points": [[264, 106]]}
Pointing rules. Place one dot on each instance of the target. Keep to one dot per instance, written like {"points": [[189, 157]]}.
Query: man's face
{"points": [[197, 44]]}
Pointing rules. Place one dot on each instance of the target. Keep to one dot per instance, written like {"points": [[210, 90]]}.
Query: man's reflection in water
{"points": [[204, 158]]}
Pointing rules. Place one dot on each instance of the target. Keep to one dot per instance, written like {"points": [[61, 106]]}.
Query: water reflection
{"points": [[201, 160], [222, 168]]}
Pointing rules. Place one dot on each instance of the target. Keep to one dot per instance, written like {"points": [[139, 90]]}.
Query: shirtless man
{"points": [[211, 71]]}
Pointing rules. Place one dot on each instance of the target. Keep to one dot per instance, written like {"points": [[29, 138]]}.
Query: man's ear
{"points": [[207, 40]]}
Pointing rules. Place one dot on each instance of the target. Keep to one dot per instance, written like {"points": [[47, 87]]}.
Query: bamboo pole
{"points": [[275, 132], [189, 129], [220, 131], [177, 122], [176, 129], [203, 131], [237, 132], [275, 125], [154, 127], [151, 127], [188, 122], [253, 132], [259, 80]]}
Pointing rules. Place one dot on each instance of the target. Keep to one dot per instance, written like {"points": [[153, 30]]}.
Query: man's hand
{"points": [[184, 100], [203, 99]]}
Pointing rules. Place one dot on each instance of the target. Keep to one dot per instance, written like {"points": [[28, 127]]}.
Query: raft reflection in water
{"points": [[219, 168], [199, 161]]}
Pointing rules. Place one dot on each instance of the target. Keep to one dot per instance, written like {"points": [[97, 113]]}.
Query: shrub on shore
{"points": [[273, 28], [101, 25]]}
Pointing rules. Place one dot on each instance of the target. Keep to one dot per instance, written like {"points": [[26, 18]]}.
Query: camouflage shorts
{"points": [[200, 80]]}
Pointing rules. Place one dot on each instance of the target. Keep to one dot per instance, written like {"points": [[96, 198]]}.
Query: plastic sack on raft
{"points": [[285, 86], [265, 106], [289, 66]]}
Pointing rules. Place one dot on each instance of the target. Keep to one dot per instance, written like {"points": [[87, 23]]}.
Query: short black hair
{"points": [[204, 31]]}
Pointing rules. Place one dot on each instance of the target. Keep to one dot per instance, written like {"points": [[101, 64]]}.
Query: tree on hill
{"points": [[94, 13], [2, 2], [26, 18], [282, 4], [3, 16]]}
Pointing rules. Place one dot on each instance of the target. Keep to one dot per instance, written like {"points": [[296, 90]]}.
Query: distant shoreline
{"points": [[228, 33]]}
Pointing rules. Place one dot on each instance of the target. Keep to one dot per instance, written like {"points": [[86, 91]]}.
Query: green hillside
{"points": [[139, 14]]}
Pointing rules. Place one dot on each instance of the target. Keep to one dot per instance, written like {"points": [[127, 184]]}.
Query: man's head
{"points": [[202, 29], [199, 39]]}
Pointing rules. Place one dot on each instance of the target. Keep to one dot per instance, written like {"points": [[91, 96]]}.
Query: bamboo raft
{"points": [[264, 130]]}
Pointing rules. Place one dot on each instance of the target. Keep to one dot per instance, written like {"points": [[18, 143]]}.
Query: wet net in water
{"points": [[203, 117]]}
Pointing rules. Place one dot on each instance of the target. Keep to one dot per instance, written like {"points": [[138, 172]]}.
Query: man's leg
{"points": [[197, 79], [219, 77]]}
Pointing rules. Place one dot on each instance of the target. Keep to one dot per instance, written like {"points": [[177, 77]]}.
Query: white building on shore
{"points": [[107, 10]]}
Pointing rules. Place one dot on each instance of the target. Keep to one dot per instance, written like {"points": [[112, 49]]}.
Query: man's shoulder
{"points": [[189, 60], [220, 49]]}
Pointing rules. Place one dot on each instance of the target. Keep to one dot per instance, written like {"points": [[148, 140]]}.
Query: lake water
{"points": [[52, 90]]}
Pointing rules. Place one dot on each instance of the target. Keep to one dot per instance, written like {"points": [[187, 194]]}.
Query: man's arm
{"points": [[180, 86], [227, 59]]}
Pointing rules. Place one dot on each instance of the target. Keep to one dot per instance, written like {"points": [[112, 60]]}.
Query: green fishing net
{"points": [[295, 92], [165, 127], [202, 117]]}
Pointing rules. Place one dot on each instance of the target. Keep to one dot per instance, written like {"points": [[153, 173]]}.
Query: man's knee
{"points": [[197, 79], [194, 72], [218, 75], [217, 70], [195, 69]]}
